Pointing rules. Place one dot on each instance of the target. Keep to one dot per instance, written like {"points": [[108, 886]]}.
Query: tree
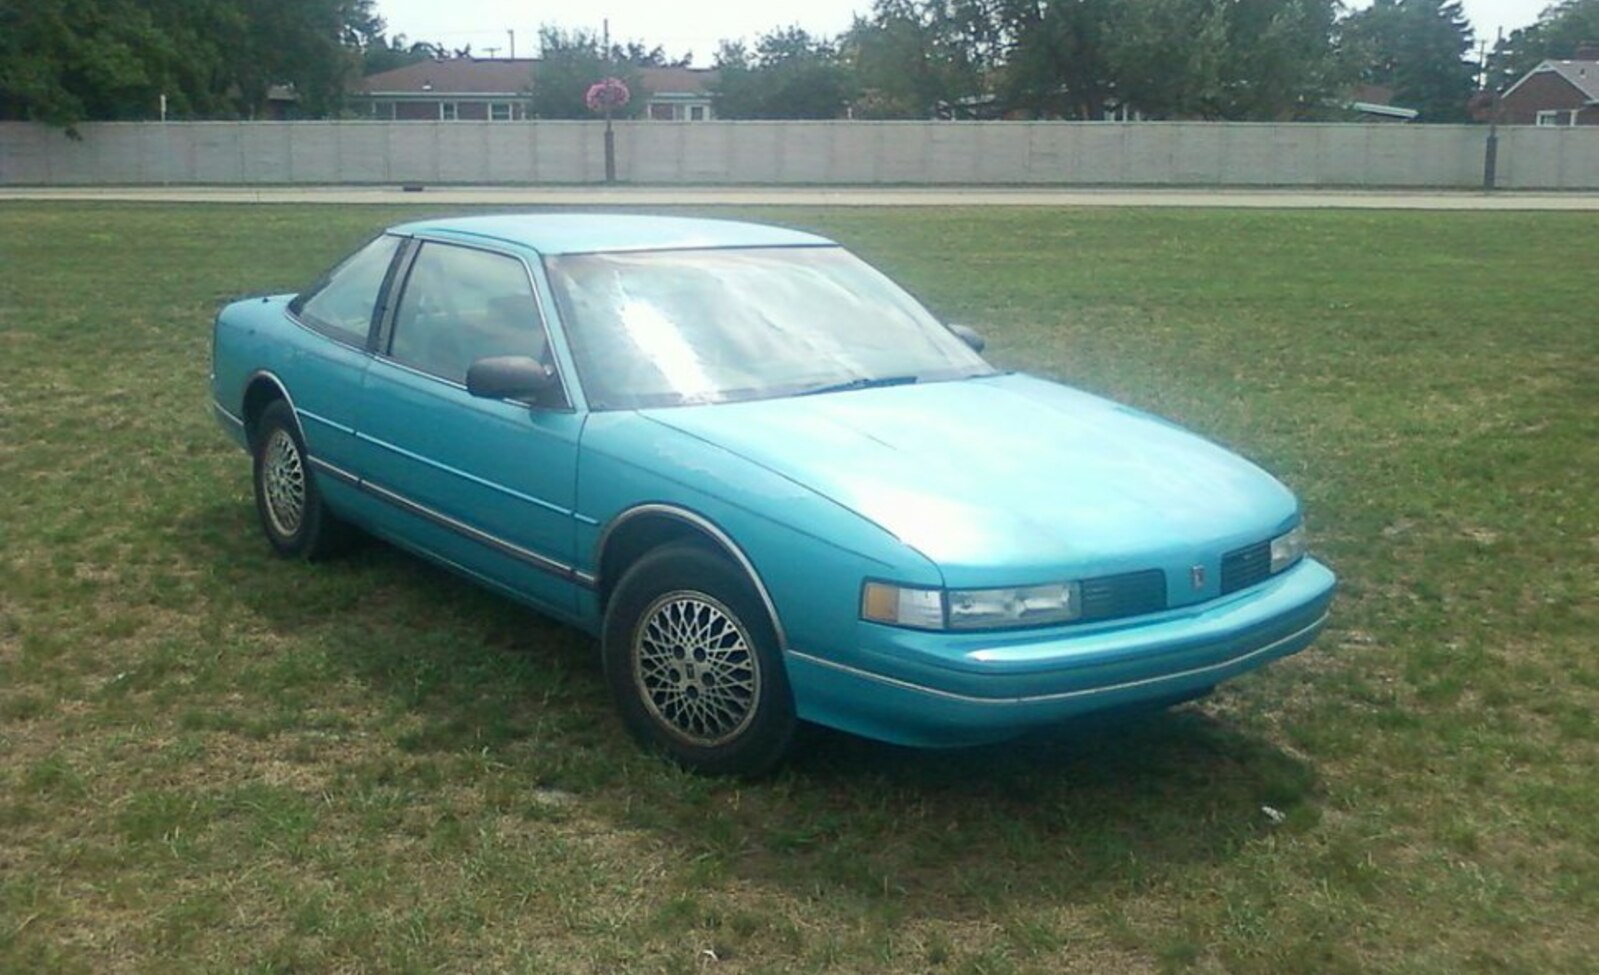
{"points": [[636, 54], [388, 53], [1056, 63], [1281, 62], [912, 55], [1416, 47], [312, 44], [1167, 56], [571, 61], [1562, 32], [64, 61], [790, 74], [54, 69], [1233, 59]]}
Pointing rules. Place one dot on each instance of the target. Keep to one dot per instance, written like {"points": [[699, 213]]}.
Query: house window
{"points": [[696, 113], [1557, 116], [660, 112], [447, 111], [499, 111]]}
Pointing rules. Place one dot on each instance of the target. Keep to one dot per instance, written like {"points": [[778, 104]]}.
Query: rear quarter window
{"points": [[343, 304]]}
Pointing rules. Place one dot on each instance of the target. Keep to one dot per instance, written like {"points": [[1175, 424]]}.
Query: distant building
{"points": [[1554, 93], [497, 90]]}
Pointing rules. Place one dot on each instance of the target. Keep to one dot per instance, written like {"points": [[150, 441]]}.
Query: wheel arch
{"points": [[643, 528], [261, 390]]}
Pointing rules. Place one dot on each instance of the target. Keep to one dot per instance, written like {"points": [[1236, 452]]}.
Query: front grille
{"points": [[1129, 594], [1243, 567]]}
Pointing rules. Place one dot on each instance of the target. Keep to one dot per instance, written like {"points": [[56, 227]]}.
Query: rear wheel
{"points": [[692, 661], [292, 514]]}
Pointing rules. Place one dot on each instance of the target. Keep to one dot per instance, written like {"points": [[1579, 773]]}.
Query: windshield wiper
{"points": [[860, 383]]}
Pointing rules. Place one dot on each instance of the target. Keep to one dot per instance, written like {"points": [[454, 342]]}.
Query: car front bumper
{"points": [[933, 689]]}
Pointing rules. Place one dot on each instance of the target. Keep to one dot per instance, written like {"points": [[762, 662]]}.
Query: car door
{"points": [[485, 484], [324, 377]]}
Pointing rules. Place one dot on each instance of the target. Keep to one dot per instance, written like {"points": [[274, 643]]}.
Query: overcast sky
{"points": [[698, 26]]}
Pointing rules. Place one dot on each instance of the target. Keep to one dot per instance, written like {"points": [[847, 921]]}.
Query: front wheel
{"points": [[293, 516], [692, 661]]}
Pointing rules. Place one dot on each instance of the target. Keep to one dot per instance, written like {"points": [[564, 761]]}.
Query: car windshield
{"points": [[673, 328]]}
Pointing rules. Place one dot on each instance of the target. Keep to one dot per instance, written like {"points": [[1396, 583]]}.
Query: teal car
{"points": [[772, 484]]}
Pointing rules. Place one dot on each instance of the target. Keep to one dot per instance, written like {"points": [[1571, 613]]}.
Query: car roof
{"points": [[588, 233]]}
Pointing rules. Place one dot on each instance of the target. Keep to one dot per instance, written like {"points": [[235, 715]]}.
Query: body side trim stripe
{"points": [[1064, 695], [476, 534], [326, 422], [334, 471], [541, 562], [491, 485], [222, 411]]}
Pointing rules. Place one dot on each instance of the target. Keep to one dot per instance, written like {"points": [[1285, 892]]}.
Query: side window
{"points": [[461, 305], [343, 305]]}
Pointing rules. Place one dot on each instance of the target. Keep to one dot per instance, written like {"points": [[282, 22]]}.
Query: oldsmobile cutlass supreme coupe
{"points": [[772, 484]]}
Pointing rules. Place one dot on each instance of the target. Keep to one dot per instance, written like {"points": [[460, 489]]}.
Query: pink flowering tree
{"points": [[607, 96]]}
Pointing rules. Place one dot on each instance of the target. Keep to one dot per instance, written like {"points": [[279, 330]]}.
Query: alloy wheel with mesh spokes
{"points": [[693, 661], [695, 668], [293, 516], [283, 473]]}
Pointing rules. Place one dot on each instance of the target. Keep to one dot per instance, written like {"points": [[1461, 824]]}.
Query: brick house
{"points": [[1554, 93], [496, 90]]}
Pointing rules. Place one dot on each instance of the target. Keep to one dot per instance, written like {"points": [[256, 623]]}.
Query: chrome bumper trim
{"points": [[1063, 695]]}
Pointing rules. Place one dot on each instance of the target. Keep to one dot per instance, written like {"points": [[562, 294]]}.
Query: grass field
{"points": [[212, 760]]}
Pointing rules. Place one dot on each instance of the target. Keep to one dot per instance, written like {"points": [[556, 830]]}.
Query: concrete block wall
{"points": [[1176, 154]]}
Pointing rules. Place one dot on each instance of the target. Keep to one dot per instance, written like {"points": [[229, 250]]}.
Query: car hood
{"points": [[1006, 477]]}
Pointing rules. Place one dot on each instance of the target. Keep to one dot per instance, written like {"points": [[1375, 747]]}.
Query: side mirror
{"points": [[508, 377], [969, 335]]}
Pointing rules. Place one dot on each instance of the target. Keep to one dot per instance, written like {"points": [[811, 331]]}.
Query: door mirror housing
{"points": [[970, 336], [509, 377]]}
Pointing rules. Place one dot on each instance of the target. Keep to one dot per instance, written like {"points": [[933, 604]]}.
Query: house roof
{"points": [[1582, 75], [1368, 99], [586, 233], [1386, 111], [1371, 94], [508, 76]]}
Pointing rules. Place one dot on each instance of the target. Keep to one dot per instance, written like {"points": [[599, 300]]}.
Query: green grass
{"points": [[212, 760]]}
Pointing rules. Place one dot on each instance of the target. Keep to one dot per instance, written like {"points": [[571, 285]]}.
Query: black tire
{"points": [[692, 661], [293, 516]]}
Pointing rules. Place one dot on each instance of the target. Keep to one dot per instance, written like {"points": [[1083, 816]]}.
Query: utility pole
{"points": [[166, 143], [1490, 155], [610, 137]]}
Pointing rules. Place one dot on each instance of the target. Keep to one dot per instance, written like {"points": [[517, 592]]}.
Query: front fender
{"points": [[809, 553]]}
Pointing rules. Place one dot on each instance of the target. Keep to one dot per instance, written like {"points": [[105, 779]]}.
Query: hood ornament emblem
{"points": [[1196, 575]]}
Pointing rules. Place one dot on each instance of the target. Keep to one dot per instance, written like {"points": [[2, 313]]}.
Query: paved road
{"points": [[830, 196]]}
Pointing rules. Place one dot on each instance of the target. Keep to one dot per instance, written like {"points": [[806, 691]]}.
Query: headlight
{"points": [[1288, 548], [970, 609], [1026, 606]]}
